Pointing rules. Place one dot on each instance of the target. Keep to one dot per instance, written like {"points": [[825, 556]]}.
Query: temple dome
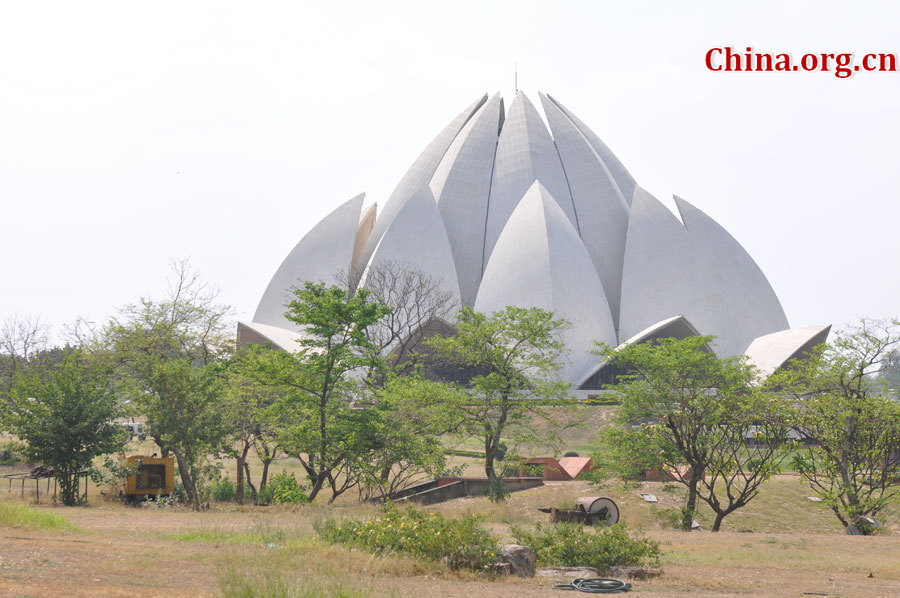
{"points": [[504, 210]]}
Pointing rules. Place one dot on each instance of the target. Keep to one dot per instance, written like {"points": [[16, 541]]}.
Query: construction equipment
{"points": [[147, 476], [588, 510]]}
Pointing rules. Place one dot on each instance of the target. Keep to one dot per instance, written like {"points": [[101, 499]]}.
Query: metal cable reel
{"points": [[599, 509]]}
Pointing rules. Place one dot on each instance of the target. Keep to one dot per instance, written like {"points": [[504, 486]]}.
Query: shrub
{"points": [[264, 496], [178, 493], [572, 545], [282, 489], [535, 470], [8, 455], [222, 489], [571, 454], [462, 543], [496, 492]]}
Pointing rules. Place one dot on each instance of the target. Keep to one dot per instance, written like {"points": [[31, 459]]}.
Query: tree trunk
{"points": [[320, 481], [239, 482], [189, 489], [310, 471], [491, 445], [241, 465], [334, 491], [68, 488], [265, 471], [691, 506], [163, 450], [250, 482], [489, 459], [718, 522], [495, 483]]}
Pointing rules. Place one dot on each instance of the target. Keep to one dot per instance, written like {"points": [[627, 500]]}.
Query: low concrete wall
{"points": [[406, 492], [416, 489], [449, 488]]}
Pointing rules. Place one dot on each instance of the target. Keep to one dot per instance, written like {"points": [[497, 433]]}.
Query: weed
{"points": [[14, 515], [266, 533], [670, 517], [261, 533], [236, 583]]}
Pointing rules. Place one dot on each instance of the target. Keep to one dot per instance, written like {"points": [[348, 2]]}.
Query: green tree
{"points": [[170, 355], [64, 417], [322, 381], [890, 374], [686, 411], [21, 339], [250, 410], [852, 460], [516, 354], [403, 440]]}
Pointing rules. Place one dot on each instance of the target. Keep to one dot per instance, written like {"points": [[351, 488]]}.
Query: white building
{"points": [[506, 212]]}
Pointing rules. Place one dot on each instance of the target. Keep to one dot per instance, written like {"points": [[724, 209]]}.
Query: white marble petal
{"points": [[623, 178], [539, 261], [326, 250], [419, 174], [773, 351], [601, 207], [696, 269], [417, 240], [363, 231], [525, 154], [254, 333], [462, 185]]}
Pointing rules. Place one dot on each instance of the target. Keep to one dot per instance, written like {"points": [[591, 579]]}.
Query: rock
{"points": [[567, 572], [633, 572], [521, 559]]}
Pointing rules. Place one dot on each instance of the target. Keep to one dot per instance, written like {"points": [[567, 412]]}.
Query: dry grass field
{"points": [[781, 545]]}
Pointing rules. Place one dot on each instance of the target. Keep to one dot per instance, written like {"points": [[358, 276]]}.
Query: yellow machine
{"points": [[152, 476]]}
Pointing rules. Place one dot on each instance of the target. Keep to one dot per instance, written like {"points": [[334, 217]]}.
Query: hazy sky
{"points": [[132, 133]]}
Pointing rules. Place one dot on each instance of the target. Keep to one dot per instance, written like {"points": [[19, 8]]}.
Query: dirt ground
{"points": [[127, 551]]}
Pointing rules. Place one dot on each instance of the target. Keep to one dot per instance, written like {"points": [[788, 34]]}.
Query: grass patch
{"points": [[16, 515], [313, 569], [259, 583], [461, 453], [260, 533]]}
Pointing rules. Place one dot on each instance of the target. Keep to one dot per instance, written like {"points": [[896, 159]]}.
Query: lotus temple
{"points": [[505, 207]]}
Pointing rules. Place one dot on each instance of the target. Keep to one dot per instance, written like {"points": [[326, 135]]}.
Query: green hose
{"points": [[596, 585]]}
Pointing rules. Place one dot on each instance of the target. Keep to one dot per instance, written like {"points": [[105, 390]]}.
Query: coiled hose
{"points": [[596, 585]]}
